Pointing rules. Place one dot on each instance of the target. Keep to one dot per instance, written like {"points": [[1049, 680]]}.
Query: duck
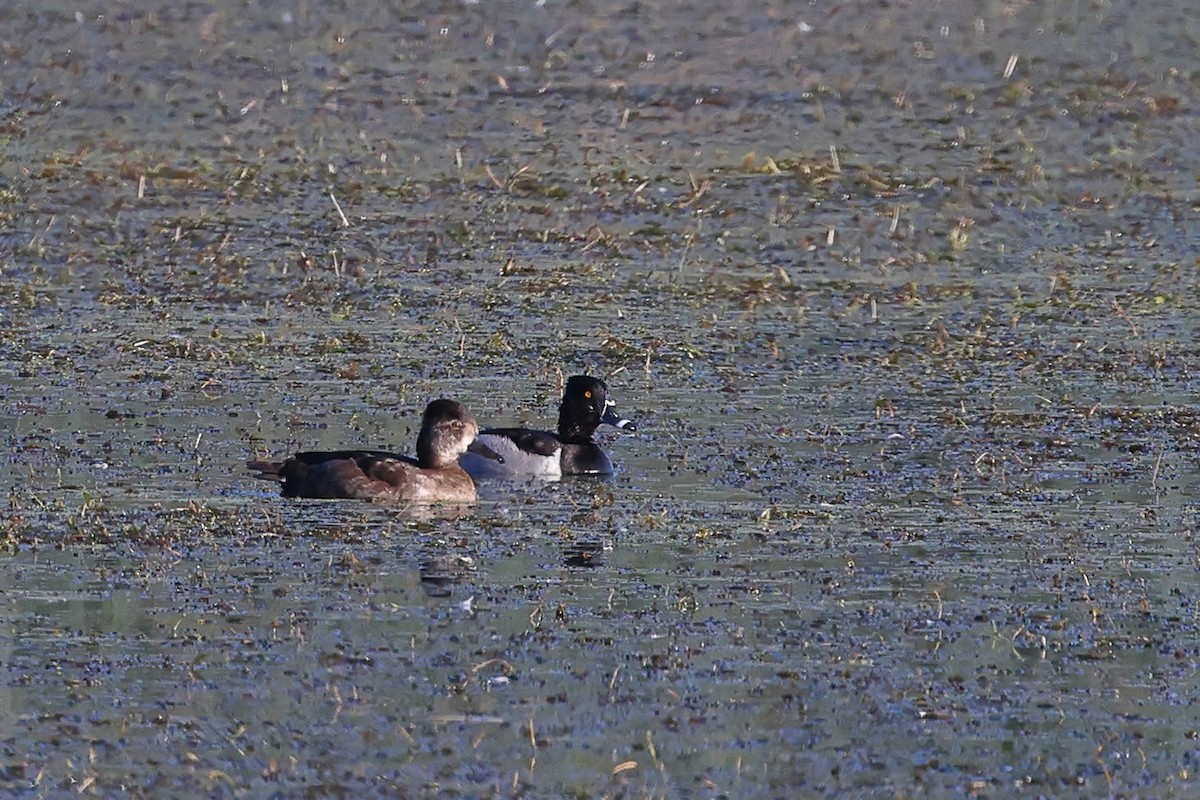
{"points": [[526, 453], [434, 476]]}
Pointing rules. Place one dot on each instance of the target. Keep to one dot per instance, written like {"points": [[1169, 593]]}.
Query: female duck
{"points": [[434, 476], [572, 451]]}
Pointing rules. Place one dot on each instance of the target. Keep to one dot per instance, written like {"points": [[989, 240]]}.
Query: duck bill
{"points": [[611, 417], [480, 449]]}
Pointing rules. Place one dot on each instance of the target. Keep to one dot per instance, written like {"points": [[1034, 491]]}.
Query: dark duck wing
{"points": [[538, 443], [511, 453]]}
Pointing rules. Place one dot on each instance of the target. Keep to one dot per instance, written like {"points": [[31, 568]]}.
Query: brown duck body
{"points": [[434, 476], [367, 475]]}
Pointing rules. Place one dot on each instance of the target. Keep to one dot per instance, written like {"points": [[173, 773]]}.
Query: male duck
{"points": [[434, 476], [571, 451]]}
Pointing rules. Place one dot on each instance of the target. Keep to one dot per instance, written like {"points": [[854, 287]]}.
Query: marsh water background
{"points": [[902, 295]]}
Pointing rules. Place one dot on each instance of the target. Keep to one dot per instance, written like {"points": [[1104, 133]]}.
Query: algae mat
{"points": [[903, 298]]}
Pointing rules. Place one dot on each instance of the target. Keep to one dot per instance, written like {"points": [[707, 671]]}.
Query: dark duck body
{"points": [[572, 450]]}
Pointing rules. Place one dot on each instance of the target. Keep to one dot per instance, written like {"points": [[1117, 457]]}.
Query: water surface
{"points": [[901, 295]]}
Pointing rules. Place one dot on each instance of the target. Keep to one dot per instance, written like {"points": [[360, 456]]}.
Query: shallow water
{"points": [[902, 297]]}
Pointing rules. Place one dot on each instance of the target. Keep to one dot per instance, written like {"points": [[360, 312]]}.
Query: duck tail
{"points": [[267, 470]]}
